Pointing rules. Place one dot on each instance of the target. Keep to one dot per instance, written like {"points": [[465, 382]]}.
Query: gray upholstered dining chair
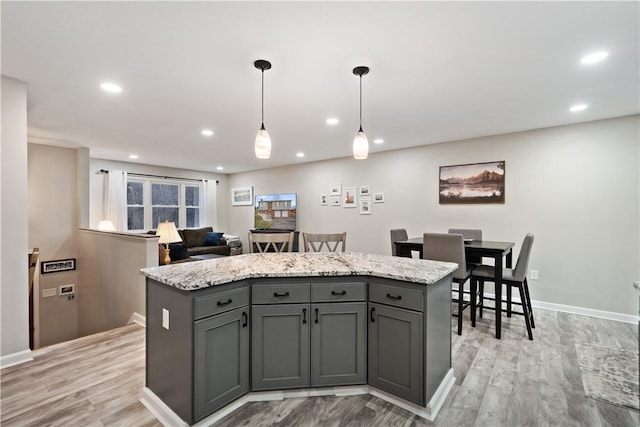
{"points": [[396, 235], [270, 242], [512, 277], [470, 233], [449, 247], [316, 242]]}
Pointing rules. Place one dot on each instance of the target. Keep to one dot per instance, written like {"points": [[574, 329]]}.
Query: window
{"points": [[150, 202]]}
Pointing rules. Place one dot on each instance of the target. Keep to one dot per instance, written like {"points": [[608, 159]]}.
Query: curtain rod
{"points": [[158, 176]]}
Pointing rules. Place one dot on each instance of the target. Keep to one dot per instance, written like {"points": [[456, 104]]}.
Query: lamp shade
{"points": [[263, 144], [106, 225], [360, 146], [168, 233]]}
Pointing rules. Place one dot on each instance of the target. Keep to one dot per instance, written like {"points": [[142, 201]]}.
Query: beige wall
{"points": [[14, 314], [575, 187], [53, 227]]}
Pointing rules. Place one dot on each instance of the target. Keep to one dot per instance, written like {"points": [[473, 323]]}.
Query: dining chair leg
{"points": [[526, 294], [525, 311], [460, 306], [481, 293], [474, 297], [508, 300]]}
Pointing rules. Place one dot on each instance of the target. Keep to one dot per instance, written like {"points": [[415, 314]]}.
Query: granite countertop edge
{"points": [[220, 271]]}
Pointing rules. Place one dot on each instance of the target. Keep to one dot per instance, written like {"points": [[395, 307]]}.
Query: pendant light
{"points": [[360, 142], [263, 140]]}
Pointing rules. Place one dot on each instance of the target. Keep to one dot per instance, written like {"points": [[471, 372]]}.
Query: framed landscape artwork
{"points": [[472, 183], [242, 196]]}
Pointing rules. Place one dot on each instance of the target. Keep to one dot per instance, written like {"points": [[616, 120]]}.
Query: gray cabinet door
{"points": [[395, 351], [221, 360], [280, 346], [338, 344]]}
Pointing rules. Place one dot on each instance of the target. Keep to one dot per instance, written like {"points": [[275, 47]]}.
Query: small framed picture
{"points": [[378, 198], [242, 196], [335, 200], [365, 190], [323, 200], [57, 265], [365, 206], [349, 197], [335, 189]]}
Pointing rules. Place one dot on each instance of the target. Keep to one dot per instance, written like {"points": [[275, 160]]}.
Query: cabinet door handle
{"points": [[223, 303], [339, 293], [304, 315], [245, 319], [373, 319], [316, 321], [395, 297], [277, 295]]}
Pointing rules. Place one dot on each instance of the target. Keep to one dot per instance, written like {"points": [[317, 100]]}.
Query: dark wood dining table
{"points": [[478, 248]]}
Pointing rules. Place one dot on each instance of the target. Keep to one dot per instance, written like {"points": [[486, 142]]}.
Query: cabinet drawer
{"points": [[336, 292], [396, 296], [220, 302], [280, 294]]}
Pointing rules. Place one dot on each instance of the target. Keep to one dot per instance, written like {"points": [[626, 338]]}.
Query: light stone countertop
{"points": [[219, 271]]}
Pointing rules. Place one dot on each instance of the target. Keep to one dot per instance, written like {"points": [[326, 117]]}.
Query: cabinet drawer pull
{"points": [[223, 303], [339, 293], [245, 319], [373, 319], [395, 297], [316, 321], [277, 295], [304, 315]]}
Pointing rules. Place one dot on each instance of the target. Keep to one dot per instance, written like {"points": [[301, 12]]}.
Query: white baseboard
{"points": [[160, 410], [138, 318], [583, 311], [15, 358]]}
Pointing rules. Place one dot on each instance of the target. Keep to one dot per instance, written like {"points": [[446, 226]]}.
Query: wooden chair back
{"points": [[316, 242], [270, 242]]}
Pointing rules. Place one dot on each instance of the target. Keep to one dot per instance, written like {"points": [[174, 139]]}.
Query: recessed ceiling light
{"points": [[594, 57], [207, 132], [578, 107], [133, 156], [219, 168], [300, 154], [110, 87], [332, 121], [378, 141]]}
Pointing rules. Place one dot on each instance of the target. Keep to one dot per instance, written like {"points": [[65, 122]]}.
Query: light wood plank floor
{"points": [[96, 381]]}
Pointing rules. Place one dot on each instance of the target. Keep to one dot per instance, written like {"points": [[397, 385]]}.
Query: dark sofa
{"points": [[193, 243]]}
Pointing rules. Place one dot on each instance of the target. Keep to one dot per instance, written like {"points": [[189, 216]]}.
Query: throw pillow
{"points": [[178, 251], [212, 238]]}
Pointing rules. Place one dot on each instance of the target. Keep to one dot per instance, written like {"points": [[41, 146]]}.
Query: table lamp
{"points": [[168, 234]]}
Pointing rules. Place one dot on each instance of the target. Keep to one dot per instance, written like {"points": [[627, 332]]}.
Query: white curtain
{"points": [[115, 199], [208, 207]]}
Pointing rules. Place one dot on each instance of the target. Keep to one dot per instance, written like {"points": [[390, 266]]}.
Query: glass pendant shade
{"points": [[360, 146], [263, 144]]}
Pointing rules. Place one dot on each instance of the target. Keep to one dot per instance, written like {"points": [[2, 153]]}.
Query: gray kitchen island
{"points": [[227, 331]]}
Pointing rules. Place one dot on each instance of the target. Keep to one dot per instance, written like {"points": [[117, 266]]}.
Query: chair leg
{"points": [[460, 305], [526, 293], [525, 310], [481, 297], [474, 297], [508, 300]]}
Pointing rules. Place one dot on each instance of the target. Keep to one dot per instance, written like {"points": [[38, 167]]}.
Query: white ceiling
{"points": [[440, 71]]}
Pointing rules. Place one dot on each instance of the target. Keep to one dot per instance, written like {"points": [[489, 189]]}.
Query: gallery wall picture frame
{"points": [[365, 190], [335, 189], [349, 197], [242, 196], [472, 183], [57, 265], [378, 197], [324, 200], [334, 200], [365, 206]]}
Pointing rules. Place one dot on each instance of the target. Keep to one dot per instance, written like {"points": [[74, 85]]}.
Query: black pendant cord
{"points": [[360, 103], [262, 127]]}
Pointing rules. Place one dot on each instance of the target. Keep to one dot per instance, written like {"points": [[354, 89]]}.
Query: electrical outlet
{"points": [[534, 274], [165, 318]]}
